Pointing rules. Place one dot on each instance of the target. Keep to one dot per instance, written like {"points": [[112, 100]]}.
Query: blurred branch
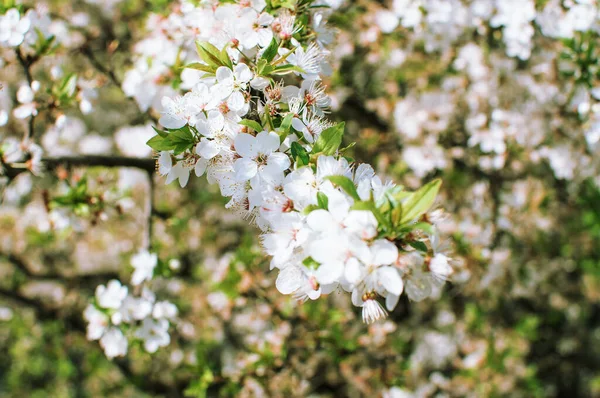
{"points": [[357, 107], [52, 163], [88, 53], [149, 212], [18, 263], [26, 63]]}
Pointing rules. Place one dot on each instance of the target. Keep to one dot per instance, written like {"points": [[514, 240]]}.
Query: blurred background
{"points": [[499, 99]]}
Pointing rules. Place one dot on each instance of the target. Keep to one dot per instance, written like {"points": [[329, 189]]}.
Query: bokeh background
{"points": [[499, 101]]}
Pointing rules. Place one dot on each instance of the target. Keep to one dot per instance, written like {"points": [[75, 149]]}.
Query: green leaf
{"points": [[396, 214], [271, 51], [309, 209], [224, 57], [263, 68], [287, 122], [423, 226], [266, 118], [370, 206], [202, 67], [209, 54], [299, 154], [288, 68], [417, 244], [160, 132], [311, 263], [344, 150], [417, 203], [254, 125], [330, 140], [68, 85], [322, 200], [159, 144], [346, 184], [182, 139]]}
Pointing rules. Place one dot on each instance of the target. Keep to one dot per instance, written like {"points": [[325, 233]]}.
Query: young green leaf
{"points": [[209, 54], [201, 67], [287, 122], [419, 202], [420, 246], [346, 184], [271, 51], [159, 143], [330, 140], [285, 69], [309, 208], [322, 200], [254, 125], [299, 154], [224, 57], [370, 206]]}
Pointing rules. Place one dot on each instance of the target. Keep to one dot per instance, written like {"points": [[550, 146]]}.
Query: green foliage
{"points": [[346, 184], [418, 203], [64, 92], [329, 141], [583, 52], [254, 125], [271, 51], [299, 154], [177, 140]]}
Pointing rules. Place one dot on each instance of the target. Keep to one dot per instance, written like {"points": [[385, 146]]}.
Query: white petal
{"points": [[289, 279], [244, 169], [279, 160], [329, 273], [319, 220], [268, 142], [200, 167], [243, 73], [357, 298], [384, 252], [165, 163], [390, 279], [391, 301], [245, 145], [352, 271], [184, 175], [207, 149], [236, 101], [259, 83], [224, 74], [171, 122]]}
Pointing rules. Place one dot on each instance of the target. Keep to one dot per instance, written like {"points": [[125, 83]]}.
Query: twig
{"points": [[107, 71], [18, 263], [52, 163], [149, 212], [26, 64]]}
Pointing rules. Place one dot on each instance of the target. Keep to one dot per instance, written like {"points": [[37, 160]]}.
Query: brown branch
{"points": [[149, 213], [52, 163], [26, 63], [22, 266]]}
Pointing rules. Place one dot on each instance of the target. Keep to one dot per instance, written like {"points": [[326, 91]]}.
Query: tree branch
{"points": [[26, 63], [21, 265], [52, 163]]}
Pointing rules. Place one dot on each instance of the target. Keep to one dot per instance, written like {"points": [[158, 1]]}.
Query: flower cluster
{"points": [[327, 223], [441, 23], [116, 314]]}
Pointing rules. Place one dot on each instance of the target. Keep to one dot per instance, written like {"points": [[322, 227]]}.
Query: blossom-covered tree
{"points": [[269, 115]]}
